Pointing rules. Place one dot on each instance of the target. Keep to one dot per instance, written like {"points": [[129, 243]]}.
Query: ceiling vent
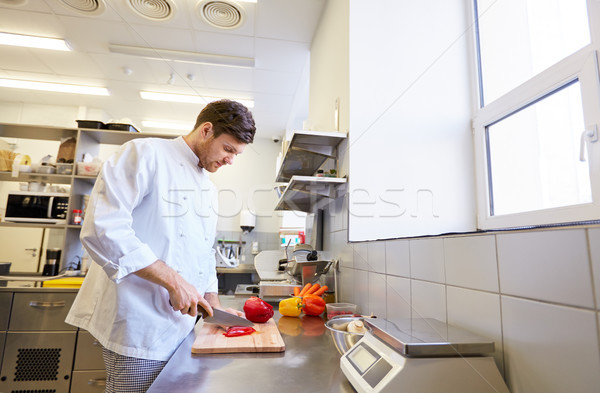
{"points": [[157, 10], [221, 14], [14, 3], [85, 7]]}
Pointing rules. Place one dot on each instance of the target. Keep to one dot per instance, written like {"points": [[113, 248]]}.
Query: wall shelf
{"points": [[88, 141], [303, 192], [307, 151]]}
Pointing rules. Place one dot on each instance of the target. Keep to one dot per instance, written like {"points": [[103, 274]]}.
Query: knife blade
{"points": [[221, 317]]}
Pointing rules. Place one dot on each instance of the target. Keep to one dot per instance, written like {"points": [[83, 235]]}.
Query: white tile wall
{"points": [[546, 265], [547, 333], [594, 243], [361, 256], [427, 260], [398, 298], [376, 256], [346, 285], [361, 291], [478, 312], [471, 262], [397, 258], [341, 250], [377, 295], [428, 300], [549, 348]]}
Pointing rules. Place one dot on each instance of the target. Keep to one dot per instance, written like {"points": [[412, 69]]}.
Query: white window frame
{"points": [[582, 65]]}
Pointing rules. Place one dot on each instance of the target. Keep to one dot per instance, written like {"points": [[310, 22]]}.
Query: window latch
{"points": [[591, 133]]}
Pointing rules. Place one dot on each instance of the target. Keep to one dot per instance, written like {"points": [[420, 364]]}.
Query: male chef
{"points": [[149, 228]]}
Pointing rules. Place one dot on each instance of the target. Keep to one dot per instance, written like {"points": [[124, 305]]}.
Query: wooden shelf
{"points": [[303, 192]]}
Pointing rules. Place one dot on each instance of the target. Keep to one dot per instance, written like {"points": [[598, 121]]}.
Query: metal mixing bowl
{"points": [[342, 339]]}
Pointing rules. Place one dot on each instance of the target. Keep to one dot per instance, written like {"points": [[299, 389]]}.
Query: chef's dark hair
{"points": [[229, 117]]}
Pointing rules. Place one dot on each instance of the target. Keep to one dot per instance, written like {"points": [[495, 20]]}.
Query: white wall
{"points": [[535, 293], [248, 184], [410, 137]]}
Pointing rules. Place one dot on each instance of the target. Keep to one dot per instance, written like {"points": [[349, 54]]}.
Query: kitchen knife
{"points": [[224, 318]]}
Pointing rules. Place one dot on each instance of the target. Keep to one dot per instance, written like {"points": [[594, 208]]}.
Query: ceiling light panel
{"points": [[30, 41], [183, 56], [167, 125], [189, 99], [54, 87]]}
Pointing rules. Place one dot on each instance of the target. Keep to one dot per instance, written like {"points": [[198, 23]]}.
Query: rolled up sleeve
{"points": [[107, 233]]}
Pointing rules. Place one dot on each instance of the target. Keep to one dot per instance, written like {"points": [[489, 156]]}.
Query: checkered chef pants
{"points": [[125, 374]]}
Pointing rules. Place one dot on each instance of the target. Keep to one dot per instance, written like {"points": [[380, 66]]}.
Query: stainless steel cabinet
{"points": [[88, 382], [89, 375], [5, 303], [39, 347], [88, 355], [40, 360], [41, 311]]}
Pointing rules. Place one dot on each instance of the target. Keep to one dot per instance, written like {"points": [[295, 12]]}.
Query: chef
{"points": [[149, 228]]}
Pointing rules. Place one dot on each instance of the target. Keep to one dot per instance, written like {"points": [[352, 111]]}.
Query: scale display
{"points": [[369, 364], [361, 358]]}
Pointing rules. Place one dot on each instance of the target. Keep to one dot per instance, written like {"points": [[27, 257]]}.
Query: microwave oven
{"points": [[37, 207]]}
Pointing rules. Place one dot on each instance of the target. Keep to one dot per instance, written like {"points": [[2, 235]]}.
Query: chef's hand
{"points": [[235, 312], [182, 295], [186, 299]]}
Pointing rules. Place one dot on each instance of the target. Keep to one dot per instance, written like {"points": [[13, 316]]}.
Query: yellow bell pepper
{"points": [[291, 307]]}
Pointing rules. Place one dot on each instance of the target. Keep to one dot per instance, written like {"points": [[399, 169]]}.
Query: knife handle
{"points": [[202, 312]]}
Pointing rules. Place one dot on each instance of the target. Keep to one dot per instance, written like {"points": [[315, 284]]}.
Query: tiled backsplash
{"points": [[535, 293]]}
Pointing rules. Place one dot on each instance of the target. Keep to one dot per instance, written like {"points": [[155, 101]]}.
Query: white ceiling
{"points": [[276, 33]]}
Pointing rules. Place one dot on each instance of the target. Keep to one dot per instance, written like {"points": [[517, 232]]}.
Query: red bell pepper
{"points": [[257, 310], [235, 331], [313, 305]]}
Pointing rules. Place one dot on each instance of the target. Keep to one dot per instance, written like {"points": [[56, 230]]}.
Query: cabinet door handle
{"points": [[97, 382], [38, 304]]}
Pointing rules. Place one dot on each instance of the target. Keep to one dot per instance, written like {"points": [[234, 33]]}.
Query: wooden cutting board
{"points": [[210, 339]]}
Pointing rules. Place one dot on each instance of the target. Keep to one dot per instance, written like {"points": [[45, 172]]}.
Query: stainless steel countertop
{"points": [[310, 363]]}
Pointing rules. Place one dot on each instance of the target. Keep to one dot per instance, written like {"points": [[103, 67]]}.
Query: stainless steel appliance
{"points": [[421, 356], [279, 274], [36, 207]]}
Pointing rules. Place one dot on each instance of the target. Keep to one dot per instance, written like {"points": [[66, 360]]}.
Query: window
{"points": [[536, 135]]}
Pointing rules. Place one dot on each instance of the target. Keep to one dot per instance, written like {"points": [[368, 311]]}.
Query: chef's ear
{"points": [[206, 129]]}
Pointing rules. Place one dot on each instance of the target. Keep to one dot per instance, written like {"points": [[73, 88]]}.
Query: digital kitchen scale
{"points": [[421, 356]]}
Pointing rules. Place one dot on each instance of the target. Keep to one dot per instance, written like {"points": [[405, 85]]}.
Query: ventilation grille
{"points": [[221, 14], [34, 391], [14, 3], [40, 364], [152, 9], [86, 7]]}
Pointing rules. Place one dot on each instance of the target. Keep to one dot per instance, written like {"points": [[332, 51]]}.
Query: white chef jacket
{"points": [[151, 201]]}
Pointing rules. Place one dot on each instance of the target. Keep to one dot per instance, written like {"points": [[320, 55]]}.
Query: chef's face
{"points": [[219, 151]]}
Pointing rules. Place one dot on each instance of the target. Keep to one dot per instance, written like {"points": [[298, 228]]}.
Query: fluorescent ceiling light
{"points": [[203, 100], [183, 56], [56, 87], [30, 41], [167, 125]]}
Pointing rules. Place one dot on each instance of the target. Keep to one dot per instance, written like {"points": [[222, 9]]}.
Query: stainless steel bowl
{"points": [[341, 338]]}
